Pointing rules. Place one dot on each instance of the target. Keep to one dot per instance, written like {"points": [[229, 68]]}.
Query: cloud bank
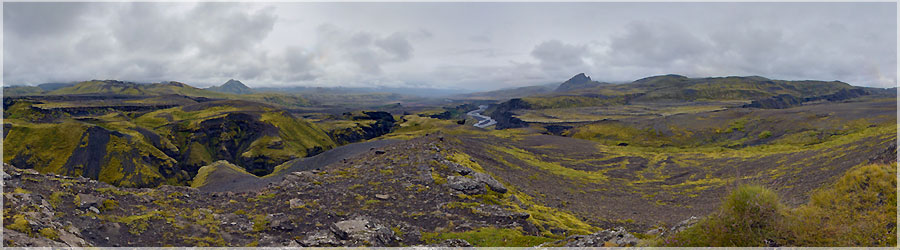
{"points": [[477, 46]]}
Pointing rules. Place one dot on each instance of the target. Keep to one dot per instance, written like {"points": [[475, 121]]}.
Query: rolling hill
{"points": [[232, 87]]}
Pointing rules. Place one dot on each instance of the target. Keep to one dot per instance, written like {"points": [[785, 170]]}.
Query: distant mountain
{"points": [[579, 81], [580, 91], [21, 90], [509, 93], [233, 87], [54, 86], [576, 83], [114, 87], [419, 92]]}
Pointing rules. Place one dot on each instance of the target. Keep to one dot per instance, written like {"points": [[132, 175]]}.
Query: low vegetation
{"points": [[858, 210]]}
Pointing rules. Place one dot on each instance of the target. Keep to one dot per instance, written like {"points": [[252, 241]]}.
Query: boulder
{"points": [[465, 185], [490, 182], [344, 229], [88, 200], [320, 238], [71, 239], [361, 231]]}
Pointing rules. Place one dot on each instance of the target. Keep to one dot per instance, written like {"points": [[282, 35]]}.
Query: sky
{"points": [[472, 46]]}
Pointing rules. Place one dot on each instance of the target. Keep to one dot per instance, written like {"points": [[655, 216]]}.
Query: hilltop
{"points": [[578, 82], [136, 89], [233, 87]]}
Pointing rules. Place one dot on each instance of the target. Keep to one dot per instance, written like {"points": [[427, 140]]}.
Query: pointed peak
{"points": [[233, 82], [232, 86], [579, 78], [579, 81]]}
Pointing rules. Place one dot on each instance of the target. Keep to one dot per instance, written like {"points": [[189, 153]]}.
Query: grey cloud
{"points": [[646, 48], [555, 55], [397, 46], [367, 51], [435, 43], [480, 39], [644, 44], [32, 20], [138, 41], [300, 66]]}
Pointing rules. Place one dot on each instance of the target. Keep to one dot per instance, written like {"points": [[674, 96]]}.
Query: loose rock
{"points": [[88, 200]]}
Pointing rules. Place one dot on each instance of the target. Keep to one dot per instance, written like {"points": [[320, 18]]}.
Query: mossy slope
{"points": [[165, 146]]}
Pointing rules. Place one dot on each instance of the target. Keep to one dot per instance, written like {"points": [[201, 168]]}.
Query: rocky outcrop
{"points": [[466, 185], [470, 182], [475, 183], [359, 231], [776, 102], [488, 180], [840, 95], [617, 237], [786, 101]]}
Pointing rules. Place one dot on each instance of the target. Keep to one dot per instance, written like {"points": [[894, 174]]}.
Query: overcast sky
{"points": [[476, 46]]}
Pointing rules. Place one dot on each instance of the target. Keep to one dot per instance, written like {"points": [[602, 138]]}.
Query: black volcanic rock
{"points": [[841, 95], [384, 123], [579, 81], [786, 101], [505, 117], [232, 86], [775, 102]]}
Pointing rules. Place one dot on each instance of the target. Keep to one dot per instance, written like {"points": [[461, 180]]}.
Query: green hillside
{"points": [[138, 149], [678, 88], [128, 88]]}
